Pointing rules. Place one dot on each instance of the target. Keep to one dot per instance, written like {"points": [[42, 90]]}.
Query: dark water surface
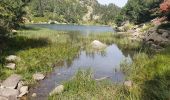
{"points": [[103, 64]]}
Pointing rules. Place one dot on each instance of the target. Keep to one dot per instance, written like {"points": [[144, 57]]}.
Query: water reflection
{"points": [[103, 64]]}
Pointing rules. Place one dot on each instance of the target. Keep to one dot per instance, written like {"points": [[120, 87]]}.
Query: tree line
{"points": [[140, 11], [72, 11]]}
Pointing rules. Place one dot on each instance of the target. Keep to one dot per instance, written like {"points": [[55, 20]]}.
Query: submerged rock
{"points": [[59, 89], [34, 95], [12, 58], [38, 76], [12, 81], [11, 65], [98, 45]]}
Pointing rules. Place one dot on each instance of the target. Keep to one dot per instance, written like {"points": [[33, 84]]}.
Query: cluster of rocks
{"points": [[153, 36], [157, 38], [11, 61], [13, 88]]}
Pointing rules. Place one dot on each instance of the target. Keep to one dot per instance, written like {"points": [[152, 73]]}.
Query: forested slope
{"points": [[73, 11]]}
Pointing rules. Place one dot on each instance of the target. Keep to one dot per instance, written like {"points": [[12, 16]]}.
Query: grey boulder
{"points": [[12, 81], [11, 94]]}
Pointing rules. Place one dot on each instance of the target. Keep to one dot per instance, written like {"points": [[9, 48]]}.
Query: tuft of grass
{"points": [[83, 87]]}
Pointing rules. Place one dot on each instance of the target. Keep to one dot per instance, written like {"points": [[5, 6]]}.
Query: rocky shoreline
{"points": [[153, 35]]}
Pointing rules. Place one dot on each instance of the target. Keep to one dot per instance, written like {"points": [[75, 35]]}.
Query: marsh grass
{"points": [[121, 40], [83, 87], [38, 49], [150, 75]]}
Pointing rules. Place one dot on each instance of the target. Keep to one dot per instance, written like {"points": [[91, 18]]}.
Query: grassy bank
{"points": [[39, 50]]}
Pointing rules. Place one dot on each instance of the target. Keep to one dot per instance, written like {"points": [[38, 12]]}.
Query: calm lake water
{"points": [[103, 64], [84, 29]]}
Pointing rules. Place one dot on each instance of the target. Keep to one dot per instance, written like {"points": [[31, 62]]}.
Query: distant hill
{"points": [[73, 11]]}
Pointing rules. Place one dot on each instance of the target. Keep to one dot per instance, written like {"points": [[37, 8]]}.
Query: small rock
{"points": [[38, 76], [128, 83], [165, 35], [12, 81], [23, 90], [98, 45], [9, 93], [58, 73], [34, 95], [59, 89], [11, 66], [20, 84], [14, 31], [12, 58]]}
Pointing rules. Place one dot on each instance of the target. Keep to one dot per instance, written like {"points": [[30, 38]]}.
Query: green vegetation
{"points": [[11, 14], [149, 74], [39, 50], [139, 11], [73, 11], [121, 40], [84, 87]]}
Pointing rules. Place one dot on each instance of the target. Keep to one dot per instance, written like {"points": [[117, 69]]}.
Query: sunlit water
{"points": [[103, 64]]}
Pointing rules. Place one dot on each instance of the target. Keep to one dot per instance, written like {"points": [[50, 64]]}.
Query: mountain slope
{"points": [[73, 11]]}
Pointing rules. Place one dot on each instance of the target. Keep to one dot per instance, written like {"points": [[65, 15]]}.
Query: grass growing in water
{"points": [[151, 77], [84, 87], [38, 49]]}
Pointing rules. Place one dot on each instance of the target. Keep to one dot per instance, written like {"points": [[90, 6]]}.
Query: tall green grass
{"points": [[150, 75], [83, 87], [39, 50]]}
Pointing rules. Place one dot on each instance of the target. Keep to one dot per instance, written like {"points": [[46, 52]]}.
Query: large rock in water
{"points": [[59, 89], [11, 94], [12, 81], [98, 45]]}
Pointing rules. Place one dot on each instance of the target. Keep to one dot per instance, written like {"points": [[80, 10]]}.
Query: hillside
{"points": [[72, 11]]}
